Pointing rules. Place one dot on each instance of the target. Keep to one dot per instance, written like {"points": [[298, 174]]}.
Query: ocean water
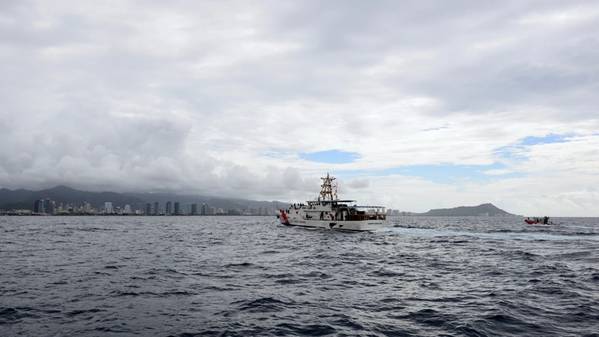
{"points": [[248, 276]]}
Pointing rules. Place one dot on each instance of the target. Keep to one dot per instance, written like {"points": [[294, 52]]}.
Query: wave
{"points": [[14, 315], [263, 304], [495, 235], [295, 329], [123, 293], [241, 265], [74, 313], [385, 272]]}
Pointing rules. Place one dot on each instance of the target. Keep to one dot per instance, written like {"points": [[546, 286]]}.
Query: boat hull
{"points": [[535, 222], [365, 225]]}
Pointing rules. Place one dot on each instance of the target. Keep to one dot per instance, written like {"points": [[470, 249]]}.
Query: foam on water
{"points": [[533, 236]]}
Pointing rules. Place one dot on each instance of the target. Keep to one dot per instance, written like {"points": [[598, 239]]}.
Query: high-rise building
{"points": [[194, 209], [169, 208], [38, 206], [87, 207], [177, 208], [156, 208], [49, 206], [108, 207], [204, 209], [148, 209], [127, 209]]}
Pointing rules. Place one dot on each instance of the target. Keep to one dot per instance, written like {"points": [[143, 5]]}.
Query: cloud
{"points": [[223, 98], [358, 183]]}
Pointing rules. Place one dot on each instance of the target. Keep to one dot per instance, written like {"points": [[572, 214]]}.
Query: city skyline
{"points": [[494, 102], [51, 207], [62, 200]]}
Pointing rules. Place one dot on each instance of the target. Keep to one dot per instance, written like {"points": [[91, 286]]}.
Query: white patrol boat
{"points": [[332, 213]]}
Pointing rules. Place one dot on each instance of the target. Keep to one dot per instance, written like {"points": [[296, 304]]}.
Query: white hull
{"points": [[330, 212], [365, 225]]}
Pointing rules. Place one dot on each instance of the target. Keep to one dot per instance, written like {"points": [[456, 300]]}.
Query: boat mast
{"points": [[328, 191]]}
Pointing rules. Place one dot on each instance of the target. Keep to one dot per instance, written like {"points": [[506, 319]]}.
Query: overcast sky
{"points": [[412, 104]]}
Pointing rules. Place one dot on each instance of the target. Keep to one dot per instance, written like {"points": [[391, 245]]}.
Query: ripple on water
{"points": [[263, 304], [238, 276], [14, 315]]}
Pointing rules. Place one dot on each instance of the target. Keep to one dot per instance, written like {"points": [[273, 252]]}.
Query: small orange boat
{"points": [[538, 221]]}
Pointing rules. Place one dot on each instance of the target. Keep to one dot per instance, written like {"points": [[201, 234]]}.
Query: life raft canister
{"points": [[284, 219]]}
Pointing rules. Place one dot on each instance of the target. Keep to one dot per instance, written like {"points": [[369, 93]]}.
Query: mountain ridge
{"points": [[24, 199], [486, 209]]}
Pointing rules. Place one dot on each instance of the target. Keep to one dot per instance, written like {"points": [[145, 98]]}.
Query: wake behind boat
{"points": [[330, 212]]}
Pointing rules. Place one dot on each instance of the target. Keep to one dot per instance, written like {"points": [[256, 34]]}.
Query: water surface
{"points": [[247, 276]]}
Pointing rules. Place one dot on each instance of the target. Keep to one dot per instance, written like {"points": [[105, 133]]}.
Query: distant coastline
{"points": [[63, 200], [29, 213], [66, 201]]}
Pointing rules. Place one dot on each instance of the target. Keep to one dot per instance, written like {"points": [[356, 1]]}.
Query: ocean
{"points": [[249, 276]]}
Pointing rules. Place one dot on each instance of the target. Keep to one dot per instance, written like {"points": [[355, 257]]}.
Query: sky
{"points": [[410, 104]]}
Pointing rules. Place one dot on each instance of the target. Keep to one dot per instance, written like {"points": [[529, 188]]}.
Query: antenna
{"points": [[328, 191], [335, 191]]}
